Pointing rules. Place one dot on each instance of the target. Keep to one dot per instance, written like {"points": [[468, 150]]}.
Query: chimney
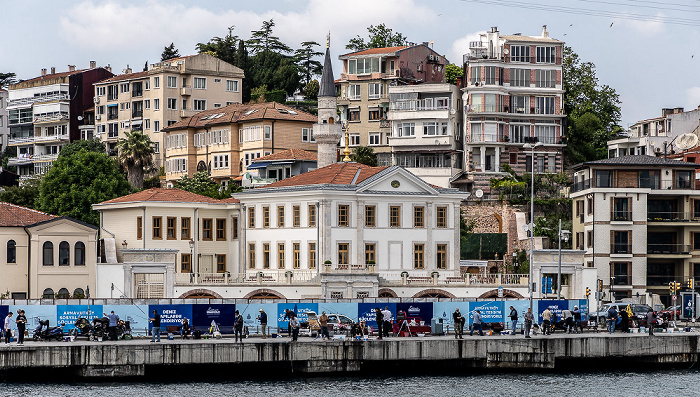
{"points": [[43, 72], [494, 29], [545, 34], [71, 68], [127, 70], [108, 68], [53, 70], [93, 64]]}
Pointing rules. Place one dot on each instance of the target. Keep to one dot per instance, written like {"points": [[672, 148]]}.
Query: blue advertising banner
{"points": [[444, 310], [3, 312], [366, 313], [521, 307], [555, 306], [422, 310], [491, 312], [582, 305], [136, 315], [170, 314], [301, 310], [69, 314], [251, 314], [34, 313], [345, 309], [224, 315]]}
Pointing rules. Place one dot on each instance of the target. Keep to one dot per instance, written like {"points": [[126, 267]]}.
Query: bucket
{"points": [[99, 339], [72, 338]]}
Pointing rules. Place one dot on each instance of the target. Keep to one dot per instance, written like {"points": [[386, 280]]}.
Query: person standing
{"points": [[568, 320], [288, 316], [185, 329], [294, 324], [263, 323], [7, 329], [21, 325], [387, 321], [577, 320], [513, 319], [651, 319], [458, 321], [156, 326], [546, 322], [323, 322], [612, 319], [113, 322], [529, 318], [477, 323], [238, 327], [379, 317]]}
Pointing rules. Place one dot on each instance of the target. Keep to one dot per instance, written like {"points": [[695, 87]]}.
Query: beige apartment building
{"points": [[45, 256], [161, 96], [225, 141]]}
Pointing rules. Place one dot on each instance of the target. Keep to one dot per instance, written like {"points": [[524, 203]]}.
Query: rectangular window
{"points": [[343, 253], [370, 216], [375, 139], [171, 225], [157, 228], [354, 115], [520, 53], [395, 216], [406, 129], [156, 82], [221, 263], [312, 255], [621, 273], [441, 257], [603, 179], [280, 216], [172, 82], [296, 216], [418, 217], [519, 77], [296, 248], [232, 85], [544, 105], [370, 251], [156, 125], [234, 227], [268, 133], [207, 229], [172, 103], [200, 104], [343, 215], [305, 134], [475, 74], [251, 218], [354, 139], [280, 256], [251, 256], [375, 90], [139, 228], [185, 263], [552, 164], [266, 255], [375, 114], [266, 217], [185, 229], [221, 230], [354, 91], [200, 83], [589, 238], [312, 215], [490, 75], [418, 257], [621, 242], [622, 209], [546, 54], [545, 78], [441, 217]]}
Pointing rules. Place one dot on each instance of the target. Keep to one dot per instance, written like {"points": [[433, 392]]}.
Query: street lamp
{"points": [[532, 215], [563, 234], [191, 242], [612, 295]]}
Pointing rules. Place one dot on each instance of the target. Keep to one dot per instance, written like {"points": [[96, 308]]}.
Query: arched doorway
{"points": [[386, 293], [264, 294], [200, 294], [507, 293], [433, 293]]}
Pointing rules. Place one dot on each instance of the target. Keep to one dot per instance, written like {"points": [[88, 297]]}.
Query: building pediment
{"points": [[396, 180]]}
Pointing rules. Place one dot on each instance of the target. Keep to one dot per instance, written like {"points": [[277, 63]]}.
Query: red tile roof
{"points": [[158, 194], [238, 113], [14, 215], [125, 76], [373, 51], [53, 76], [335, 174], [230, 200], [290, 154]]}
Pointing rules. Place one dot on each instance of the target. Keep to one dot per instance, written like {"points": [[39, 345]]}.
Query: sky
{"points": [[643, 49]]}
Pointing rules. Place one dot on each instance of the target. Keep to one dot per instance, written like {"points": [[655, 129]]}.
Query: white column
{"points": [[482, 150], [496, 159]]}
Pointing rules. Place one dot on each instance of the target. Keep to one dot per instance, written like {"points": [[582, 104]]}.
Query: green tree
{"points": [[593, 110], [136, 156], [364, 155], [304, 58], [223, 48], [453, 73], [311, 89], [9, 152], [76, 182], [91, 145], [264, 41], [7, 79], [25, 194], [169, 52], [202, 184], [379, 37], [274, 70], [243, 62]]}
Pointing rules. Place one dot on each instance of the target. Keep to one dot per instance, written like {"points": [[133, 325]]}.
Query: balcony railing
{"points": [[41, 138], [28, 159], [45, 118], [253, 276], [677, 249], [44, 98], [620, 248], [481, 108], [643, 183], [673, 217], [581, 185], [620, 216], [487, 138], [660, 280]]}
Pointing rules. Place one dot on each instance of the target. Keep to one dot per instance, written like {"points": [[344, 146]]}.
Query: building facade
{"points": [[638, 220], [166, 93], [45, 113], [512, 95], [278, 166], [364, 86], [4, 122]]}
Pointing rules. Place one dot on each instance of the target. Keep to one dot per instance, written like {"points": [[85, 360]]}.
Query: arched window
{"points": [[64, 254], [48, 253], [79, 293], [79, 254], [11, 252], [48, 294], [63, 294]]}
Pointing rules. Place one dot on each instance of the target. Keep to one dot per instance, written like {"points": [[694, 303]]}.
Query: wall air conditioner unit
{"points": [[97, 99], [98, 117]]}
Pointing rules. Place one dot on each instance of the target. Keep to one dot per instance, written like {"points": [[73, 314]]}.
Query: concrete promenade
{"points": [[135, 357]]}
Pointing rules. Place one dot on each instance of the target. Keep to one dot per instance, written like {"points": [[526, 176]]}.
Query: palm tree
{"points": [[136, 155]]}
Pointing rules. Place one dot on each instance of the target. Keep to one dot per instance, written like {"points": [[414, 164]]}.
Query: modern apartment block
{"points": [[638, 220], [161, 96], [364, 86], [426, 131], [224, 142], [512, 95], [45, 113], [4, 128]]}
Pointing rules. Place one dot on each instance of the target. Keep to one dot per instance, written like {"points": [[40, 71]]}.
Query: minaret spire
{"points": [[327, 133]]}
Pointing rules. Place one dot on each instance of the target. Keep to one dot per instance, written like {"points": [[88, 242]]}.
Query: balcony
{"points": [[186, 91], [37, 99], [620, 216], [253, 276], [621, 248], [660, 280], [29, 159], [668, 249], [36, 139], [112, 116], [643, 183], [487, 138], [48, 118], [673, 217]]}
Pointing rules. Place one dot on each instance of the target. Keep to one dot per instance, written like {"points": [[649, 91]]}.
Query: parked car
{"points": [[668, 312], [638, 318], [337, 323]]}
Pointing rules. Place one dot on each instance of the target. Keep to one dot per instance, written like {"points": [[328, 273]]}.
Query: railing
{"points": [[487, 138], [480, 108], [620, 248], [620, 216], [581, 185], [622, 279], [112, 116], [643, 183], [497, 279], [349, 268], [673, 217], [45, 98], [252, 276], [678, 249], [187, 90], [410, 106], [50, 117], [41, 138], [663, 280], [31, 159], [136, 114]]}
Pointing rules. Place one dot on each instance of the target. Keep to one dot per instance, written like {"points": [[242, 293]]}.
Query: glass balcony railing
{"points": [[677, 249]]}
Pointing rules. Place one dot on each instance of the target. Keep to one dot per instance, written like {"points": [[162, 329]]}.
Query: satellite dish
{"points": [[80, 118], [479, 193], [686, 141]]}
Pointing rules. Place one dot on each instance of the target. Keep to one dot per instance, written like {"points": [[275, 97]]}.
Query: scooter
{"points": [[50, 333]]}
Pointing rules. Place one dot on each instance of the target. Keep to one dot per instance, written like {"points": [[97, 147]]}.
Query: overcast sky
{"points": [[643, 49]]}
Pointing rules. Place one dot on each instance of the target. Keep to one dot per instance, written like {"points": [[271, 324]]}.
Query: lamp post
{"points": [[532, 216], [191, 243], [612, 294], [565, 235]]}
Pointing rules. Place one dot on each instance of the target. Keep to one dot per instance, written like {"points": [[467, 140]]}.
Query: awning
{"points": [[281, 162], [260, 164]]}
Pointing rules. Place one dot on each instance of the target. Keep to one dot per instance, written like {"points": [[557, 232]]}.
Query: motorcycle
{"points": [[50, 333], [82, 328], [100, 327]]}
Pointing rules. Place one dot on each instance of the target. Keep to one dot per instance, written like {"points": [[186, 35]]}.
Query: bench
{"points": [[416, 279], [173, 329]]}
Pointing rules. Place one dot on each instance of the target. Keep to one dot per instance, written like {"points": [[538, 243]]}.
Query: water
{"points": [[675, 382]]}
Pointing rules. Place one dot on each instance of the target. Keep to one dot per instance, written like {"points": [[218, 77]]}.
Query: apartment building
{"points": [[225, 141], [638, 220], [364, 86], [426, 131], [161, 96], [512, 95], [4, 124], [45, 113]]}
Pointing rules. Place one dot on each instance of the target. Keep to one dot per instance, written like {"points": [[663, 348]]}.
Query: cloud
{"points": [[692, 97], [645, 28], [461, 47]]}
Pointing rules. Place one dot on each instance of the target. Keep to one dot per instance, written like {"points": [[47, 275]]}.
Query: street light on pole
{"points": [[532, 215], [563, 234]]}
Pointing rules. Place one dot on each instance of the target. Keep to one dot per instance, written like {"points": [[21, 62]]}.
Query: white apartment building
{"points": [[426, 131]]}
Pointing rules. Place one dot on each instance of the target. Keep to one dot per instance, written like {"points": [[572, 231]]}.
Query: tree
{"points": [[304, 58], [169, 52], [222, 48], [7, 79], [91, 145], [453, 73], [202, 184], [26, 194], [263, 41], [364, 155], [9, 152], [379, 37], [242, 62], [76, 182], [136, 155], [311, 89], [593, 111]]}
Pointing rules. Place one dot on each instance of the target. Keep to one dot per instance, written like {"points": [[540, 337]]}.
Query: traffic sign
{"points": [[673, 297]]}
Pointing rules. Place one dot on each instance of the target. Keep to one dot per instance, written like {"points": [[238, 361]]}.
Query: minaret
{"points": [[327, 131]]}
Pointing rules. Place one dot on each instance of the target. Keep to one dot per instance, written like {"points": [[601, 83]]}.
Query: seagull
{"points": [[611, 24], [692, 56], [571, 25]]}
